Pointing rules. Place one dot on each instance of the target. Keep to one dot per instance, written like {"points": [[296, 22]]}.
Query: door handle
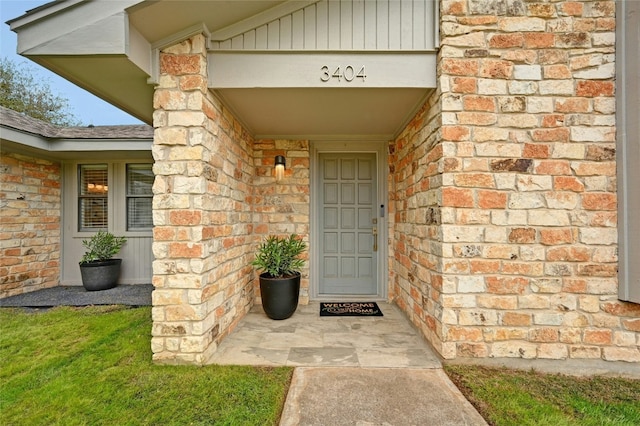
{"points": [[374, 231]]}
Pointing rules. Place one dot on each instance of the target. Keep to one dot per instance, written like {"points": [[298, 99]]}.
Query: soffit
{"points": [[113, 78], [161, 19]]}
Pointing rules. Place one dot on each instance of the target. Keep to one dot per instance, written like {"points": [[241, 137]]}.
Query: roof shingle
{"points": [[19, 121]]}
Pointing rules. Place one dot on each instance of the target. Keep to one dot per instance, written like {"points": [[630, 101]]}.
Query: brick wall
{"points": [[30, 200], [282, 208], [528, 191], [203, 234], [416, 254]]}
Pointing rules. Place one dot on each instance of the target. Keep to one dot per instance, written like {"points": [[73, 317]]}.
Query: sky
{"points": [[88, 108]]}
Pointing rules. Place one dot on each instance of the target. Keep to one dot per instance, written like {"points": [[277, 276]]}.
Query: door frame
{"points": [[370, 146]]}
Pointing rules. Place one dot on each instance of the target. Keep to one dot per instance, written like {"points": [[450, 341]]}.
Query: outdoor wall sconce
{"points": [[280, 165]]}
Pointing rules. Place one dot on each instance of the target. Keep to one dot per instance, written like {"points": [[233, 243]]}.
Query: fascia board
{"points": [[106, 37], [41, 12], [56, 145], [138, 49], [91, 145], [24, 138], [40, 28]]}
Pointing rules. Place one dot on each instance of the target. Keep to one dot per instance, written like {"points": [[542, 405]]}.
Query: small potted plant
{"points": [[99, 270], [279, 259]]}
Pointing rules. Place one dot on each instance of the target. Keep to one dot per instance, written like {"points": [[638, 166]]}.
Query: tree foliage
{"points": [[23, 91]]}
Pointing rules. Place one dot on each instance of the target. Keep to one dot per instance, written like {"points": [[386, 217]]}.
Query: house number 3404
{"points": [[347, 73]]}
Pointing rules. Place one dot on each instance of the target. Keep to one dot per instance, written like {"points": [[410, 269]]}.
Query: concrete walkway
{"points": [[366, 396], [351, 370]]}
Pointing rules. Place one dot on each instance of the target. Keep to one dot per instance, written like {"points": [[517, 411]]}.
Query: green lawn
{"points": [[513, 397], [93, 366]]}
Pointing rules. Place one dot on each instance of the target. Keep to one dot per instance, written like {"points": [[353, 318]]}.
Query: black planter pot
{"points": [[279, 296], [100, 275]]}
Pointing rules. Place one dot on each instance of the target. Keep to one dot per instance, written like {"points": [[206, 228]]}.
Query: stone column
{"points": [[201, 211]]}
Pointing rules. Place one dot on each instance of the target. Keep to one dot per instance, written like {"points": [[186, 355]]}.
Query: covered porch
{"points": [[309, 340]]}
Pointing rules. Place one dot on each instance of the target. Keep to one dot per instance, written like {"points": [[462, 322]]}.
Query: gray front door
{"points": [[347, 195]]}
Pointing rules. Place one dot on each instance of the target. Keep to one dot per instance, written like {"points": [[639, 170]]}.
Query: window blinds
{"points": [[93, 194], [139, 197]]}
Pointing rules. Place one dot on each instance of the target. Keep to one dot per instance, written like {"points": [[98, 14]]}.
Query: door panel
{"points": [[348, 189]]}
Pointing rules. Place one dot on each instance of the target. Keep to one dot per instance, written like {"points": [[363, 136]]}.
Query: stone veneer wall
{"points": [[203, 218], [30, 206], [282, 208], [415, 159], [528, 197]]}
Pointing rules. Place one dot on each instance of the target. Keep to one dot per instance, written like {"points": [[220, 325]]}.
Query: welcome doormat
{"points": [[351, 309]]}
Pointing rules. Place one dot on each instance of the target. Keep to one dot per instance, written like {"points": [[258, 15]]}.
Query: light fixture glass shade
{"points": [[280, 165]]}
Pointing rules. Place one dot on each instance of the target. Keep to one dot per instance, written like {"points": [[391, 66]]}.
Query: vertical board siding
{"points": [[394, 25], [382, 24], [137, 260], [273, 36], [249, 40], [358, 25], [334, 27], [237, 42], [286, 27], [370, 27], [309, 28], [322, 26], [432, 24], [261, 37], [419, 36], [406, 24], [345, 25], [297, 28]]}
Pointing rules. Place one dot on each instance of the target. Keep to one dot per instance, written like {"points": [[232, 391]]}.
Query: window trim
{"points": [[116, 198], [128, 196], [80, 197]]}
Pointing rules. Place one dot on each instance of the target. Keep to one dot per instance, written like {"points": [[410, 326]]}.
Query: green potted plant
{"points": [[98, 268], [280, 261]]}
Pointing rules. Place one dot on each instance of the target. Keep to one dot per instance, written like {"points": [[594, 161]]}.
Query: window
{"points": [[115, 196], [139, 197], [93, 197]]}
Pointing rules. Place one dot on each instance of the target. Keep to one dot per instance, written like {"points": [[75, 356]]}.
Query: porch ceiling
{"points": [[107, 48], [328, 113]]}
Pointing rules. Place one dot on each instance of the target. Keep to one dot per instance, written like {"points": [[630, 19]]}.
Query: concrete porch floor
{"points": [[308, 340]]}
